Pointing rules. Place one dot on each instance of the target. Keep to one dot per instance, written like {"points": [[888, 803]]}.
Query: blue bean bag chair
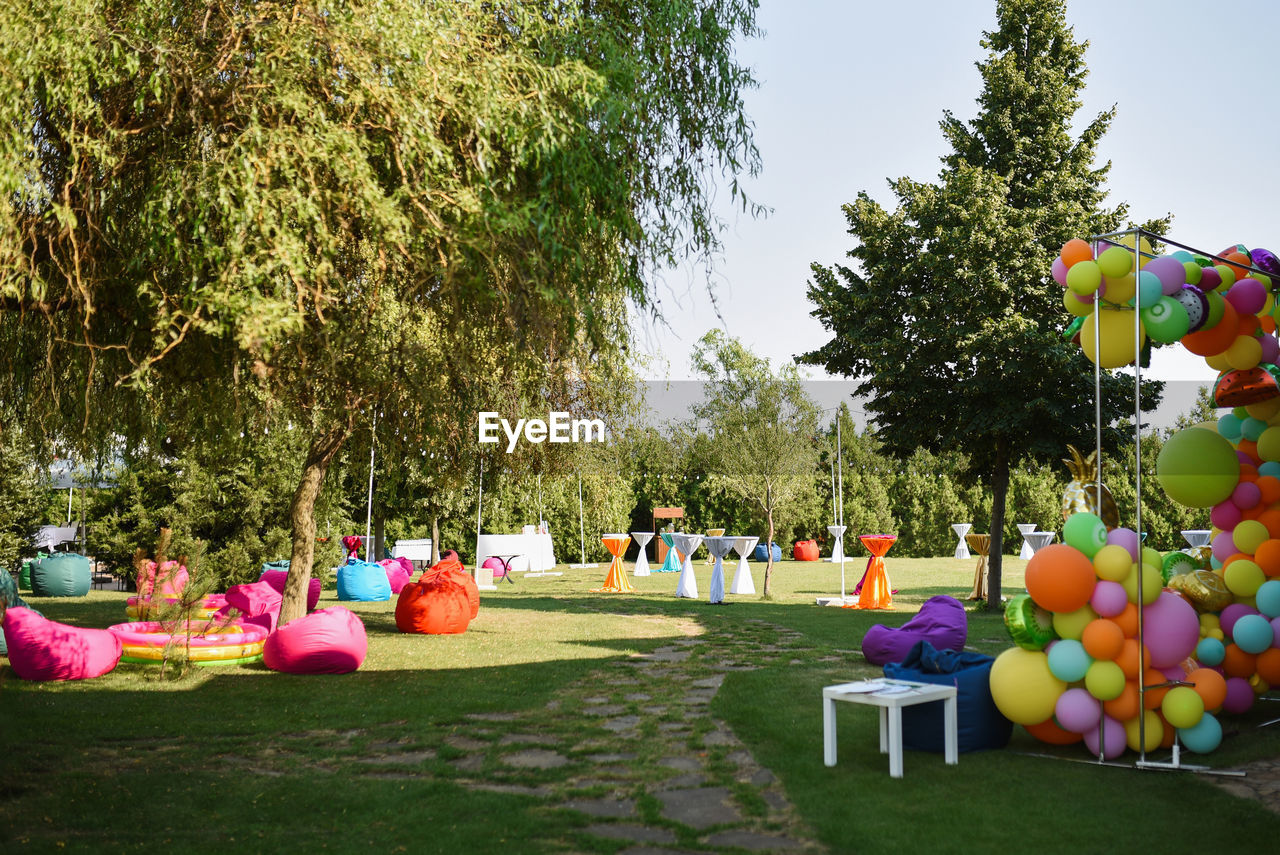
{"points": [[63, 575], [362, 581], [758, 554], [941, 621], [980, 725]]}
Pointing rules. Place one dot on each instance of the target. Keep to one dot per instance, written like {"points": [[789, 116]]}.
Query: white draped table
{"points": [[642, 539], [533, 552], [687, 586], [742, 581], [718, 545], [1038, 540], [962, 548], [1025, 529]]}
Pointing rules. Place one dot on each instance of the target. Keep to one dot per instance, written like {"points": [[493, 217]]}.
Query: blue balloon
{"points": [[1268, 598], [1210, 651], [1271, 468], [1068, 660], [1230, 427], [1150, 289], [1253, 634], [1252, 428], [1204, 736]]}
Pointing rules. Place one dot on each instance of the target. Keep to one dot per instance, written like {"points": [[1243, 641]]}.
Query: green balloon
{"points": [[1217, 305], [1197, 468], [1030, 626], [1115, 262], [1166, 320], [1086, 532]]}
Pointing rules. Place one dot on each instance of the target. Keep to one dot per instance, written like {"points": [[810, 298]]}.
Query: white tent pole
{"points": [[840, 469], [480, 500], [582, 532], [368, 515]]}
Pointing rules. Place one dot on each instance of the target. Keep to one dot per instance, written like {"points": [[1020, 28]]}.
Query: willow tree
{"points": [[228, 216], [948, 316]]}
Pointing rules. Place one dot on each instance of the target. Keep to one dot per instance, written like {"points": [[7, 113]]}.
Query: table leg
{"points": [[895, 742], [950, 740], [829, 731], [884, 730]]}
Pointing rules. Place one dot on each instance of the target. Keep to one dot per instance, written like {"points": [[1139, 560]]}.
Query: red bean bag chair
{"points": [[399, 572], [277, 578], [42, 649], [441, 602], [941, 621], [330, 641], [805, 550], [256, 599], [449, 561]]}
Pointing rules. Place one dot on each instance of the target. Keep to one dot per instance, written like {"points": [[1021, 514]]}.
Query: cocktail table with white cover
{"points": [[962, 548], [1025, 529], [1039, 540], [534, 552], [742, 581], [890, 696], [718, 545], [687, 586], [642, 539]]}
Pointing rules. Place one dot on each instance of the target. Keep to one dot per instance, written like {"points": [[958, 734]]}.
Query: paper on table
{"points": [[860, 687]]}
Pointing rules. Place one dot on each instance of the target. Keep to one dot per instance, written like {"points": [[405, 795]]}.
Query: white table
{"points": [[962, 548], [687, 586], [534, 552], [1039, 540], [890, 696], [719, 546], [417, 551], [1025, 529], [642, 539], [837, 550], [742, 582]]}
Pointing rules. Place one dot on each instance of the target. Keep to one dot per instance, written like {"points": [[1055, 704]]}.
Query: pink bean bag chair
{"points": [[254, 600], [167, 580], [330, 641], [399, 572], [276, 579], [941, 621], [42, 649]]}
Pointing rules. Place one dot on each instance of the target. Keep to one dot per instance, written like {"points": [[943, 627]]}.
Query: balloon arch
{"points": [[1120, 646]]}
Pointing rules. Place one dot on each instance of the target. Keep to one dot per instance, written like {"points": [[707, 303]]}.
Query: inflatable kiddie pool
{"points": [[144, 642], [140, 608]]}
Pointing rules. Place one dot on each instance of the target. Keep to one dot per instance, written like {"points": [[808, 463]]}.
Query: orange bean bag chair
{"points": [[441, 602], [805, 550]]}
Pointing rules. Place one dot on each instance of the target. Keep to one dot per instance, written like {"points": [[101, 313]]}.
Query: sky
{"points": [[851, 94]]}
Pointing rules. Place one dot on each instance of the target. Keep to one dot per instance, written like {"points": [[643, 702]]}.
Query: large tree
{"points": [[948, 315], [225, 217]]}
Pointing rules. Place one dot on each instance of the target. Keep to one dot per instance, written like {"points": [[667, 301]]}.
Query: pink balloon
{"points": [[1059, 269], [1246, 495], [1248, 296], [1126, 537], [1225, 515], [1239, 697], [1169, 271], [1109, 598], [1223, 546], [1209, 279], [1174, 672], [1109, 738], [1077, 711], [1170, 629], [1232, 613], [1270, 348]]}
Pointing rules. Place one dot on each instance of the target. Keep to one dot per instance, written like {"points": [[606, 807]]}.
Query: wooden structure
{"points": [[664, 514]]}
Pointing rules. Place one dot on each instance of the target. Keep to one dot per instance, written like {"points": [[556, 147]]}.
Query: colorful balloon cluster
{"points": [[1219, 308]]}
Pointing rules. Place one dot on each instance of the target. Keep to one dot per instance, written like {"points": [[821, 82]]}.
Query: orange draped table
{"points": [[616, 582], [981, 544], [873, 591]]}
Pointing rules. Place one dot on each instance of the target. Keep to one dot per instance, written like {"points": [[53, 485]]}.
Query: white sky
{"points": [[851, 95]]}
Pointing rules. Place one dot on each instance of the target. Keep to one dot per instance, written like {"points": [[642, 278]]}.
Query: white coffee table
{"points": [[890, 696]]}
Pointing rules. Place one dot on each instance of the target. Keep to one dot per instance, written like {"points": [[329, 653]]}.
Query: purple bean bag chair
{"points": [[941, 621], [399, 572], [330, 641], [254, 600], [276, 579], [42, 649]]}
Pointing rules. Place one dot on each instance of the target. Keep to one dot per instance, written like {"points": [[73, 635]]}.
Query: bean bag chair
{"points": [[449, 561], [980, 725], [167, 580], [496, 566], [41, 649], [941, 621], [364, 582], [270, 566], [399, 572], [63, 575], [9, 597], [805, 550], [330, 641], [439, 603], [24, 575], [277, 578], [256, 599], [759, 553]]}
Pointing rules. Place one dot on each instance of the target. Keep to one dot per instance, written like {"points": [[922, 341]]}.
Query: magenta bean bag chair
{"points": [[330, 641], [254, 600], [276, 579], [42, 649], [495, 564], [941, 621], [399, 572]]}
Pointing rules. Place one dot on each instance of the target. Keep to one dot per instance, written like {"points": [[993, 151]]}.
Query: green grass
{"points": [[265, 762]]}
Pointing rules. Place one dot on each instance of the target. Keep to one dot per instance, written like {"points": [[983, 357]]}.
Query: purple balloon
{"points": [[1232, 613], [1246, 495], [1239, 697], [1265, 259], [1275, 627], [1210, 279], [1077, 711], [1059, 272], [1109, 598], [1112, 737], [1244, 458], [1126, 537], [1270, 348], [1170, 629], [1248, 296], [1223, 546], [1225, 515], [1169, 271]]}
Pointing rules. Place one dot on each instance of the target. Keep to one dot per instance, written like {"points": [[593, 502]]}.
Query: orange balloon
{"points": [[1127, 620], [1166, 739], [1238, 663], [1151, 697], [1128, 659], [1271, 519], [1269, 486], [1210, 686], [1239, 556], [1050, 732], [1216, 339], [1267, 323], [1248, 472], [1241, 265], [1076, 250], [1254, 513], [1126, 706], [1268, 665], [1060, 578], [1248, 325], [1102, 639], [1268, 556]]}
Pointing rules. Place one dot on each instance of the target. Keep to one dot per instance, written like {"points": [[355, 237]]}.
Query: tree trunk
{"points": [[999, 491], [379, 538], [768, 544], [435, 539], [302, 521]]}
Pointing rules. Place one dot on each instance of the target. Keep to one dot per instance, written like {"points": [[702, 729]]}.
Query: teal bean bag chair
{"points": [[63, 575], [9, 597]]}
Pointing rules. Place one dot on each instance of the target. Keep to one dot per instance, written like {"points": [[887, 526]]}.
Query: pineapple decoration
{"points": [[1081, 495]]}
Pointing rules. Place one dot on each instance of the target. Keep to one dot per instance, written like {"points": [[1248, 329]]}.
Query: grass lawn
{"points": [[414, 752]]}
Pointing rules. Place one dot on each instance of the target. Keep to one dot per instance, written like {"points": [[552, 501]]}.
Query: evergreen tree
{"points": [[950, 317]]}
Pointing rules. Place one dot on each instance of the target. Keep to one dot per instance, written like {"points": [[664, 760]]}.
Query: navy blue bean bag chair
{"points": [[758, 554], [362, 581], [941, 621], [980, 725], [63, 575]]}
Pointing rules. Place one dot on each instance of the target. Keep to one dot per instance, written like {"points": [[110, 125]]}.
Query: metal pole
{"points": [[368, 514], [840, 470], [480, 500], [1137, 482], [582, 532]]}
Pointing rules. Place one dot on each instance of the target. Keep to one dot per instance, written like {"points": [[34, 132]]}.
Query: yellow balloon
{"points": [[1264, 410], [1144, 248], [1071, 624], [1151, 732], [1023, 687], [1112, 562], [1118, 345], [1228, 277], [1120, 290], [1248, 535], [1243, 578], [1074, 305], [1152, 581], [1218, 362], [1244, 353]]}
